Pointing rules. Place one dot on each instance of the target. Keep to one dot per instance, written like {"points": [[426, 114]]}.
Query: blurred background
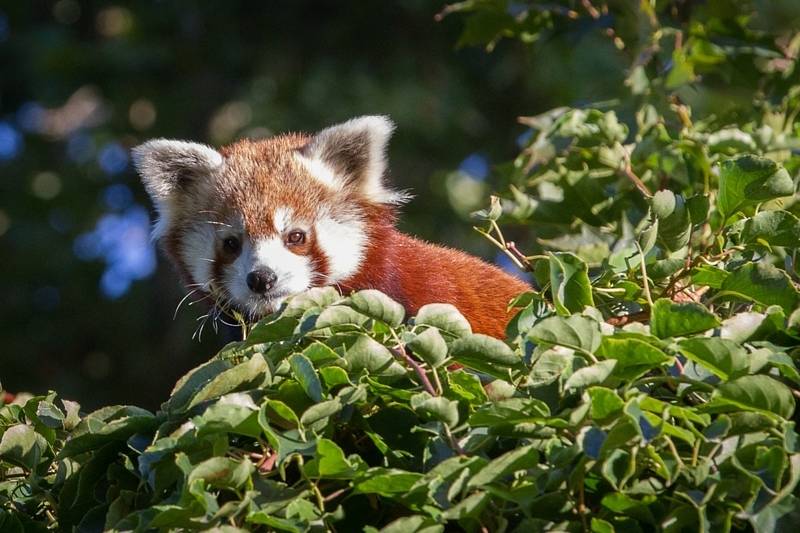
{"points": [[87, 301]]}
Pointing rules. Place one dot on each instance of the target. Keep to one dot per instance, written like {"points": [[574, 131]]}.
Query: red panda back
{"points": [[416, 273]]}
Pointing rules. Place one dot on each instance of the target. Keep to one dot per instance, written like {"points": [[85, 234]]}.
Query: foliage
{"points": [[335, 414], [648, 381]]}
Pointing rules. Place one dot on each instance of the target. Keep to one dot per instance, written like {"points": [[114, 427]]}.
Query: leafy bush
{"points": [[336, 414], [647, 383]]}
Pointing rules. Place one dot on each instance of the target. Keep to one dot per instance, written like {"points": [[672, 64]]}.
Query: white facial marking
{"points": [[320, 171], [293, 271], [343, 242], [198, 252], [294, 274], [282, 219]]}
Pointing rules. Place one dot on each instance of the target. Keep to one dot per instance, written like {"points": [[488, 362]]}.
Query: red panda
{"points": [[258, 221]]}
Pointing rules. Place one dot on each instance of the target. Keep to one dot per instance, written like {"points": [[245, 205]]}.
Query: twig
{"points": [[333, 495], [627, 170], [511, 246], [453, 443], [426, 383], [645, 282]]}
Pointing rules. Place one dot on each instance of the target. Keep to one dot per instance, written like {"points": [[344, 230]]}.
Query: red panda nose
{"points": [[262, 280]]}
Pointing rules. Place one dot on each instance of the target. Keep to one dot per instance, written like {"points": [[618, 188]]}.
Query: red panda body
{"points": [[416, 273], [259, 221]]}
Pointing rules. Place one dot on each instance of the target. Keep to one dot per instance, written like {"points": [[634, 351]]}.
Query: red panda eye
{"points": [[296, 237], [231, 245]]}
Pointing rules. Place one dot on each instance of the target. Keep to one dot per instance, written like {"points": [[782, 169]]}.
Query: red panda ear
{"points": [[352, 155], [169, 168]]}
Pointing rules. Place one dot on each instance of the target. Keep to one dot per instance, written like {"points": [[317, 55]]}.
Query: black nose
{"points": [[262, 280]]}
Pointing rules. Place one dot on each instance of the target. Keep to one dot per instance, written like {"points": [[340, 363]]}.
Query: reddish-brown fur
{"points": [[416, 273]]}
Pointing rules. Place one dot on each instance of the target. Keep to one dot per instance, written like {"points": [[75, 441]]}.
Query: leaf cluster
{"points": [[336, 414]]}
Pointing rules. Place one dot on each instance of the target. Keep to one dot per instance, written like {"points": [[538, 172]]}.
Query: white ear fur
{"points": [[168, 167], [353, 154]]}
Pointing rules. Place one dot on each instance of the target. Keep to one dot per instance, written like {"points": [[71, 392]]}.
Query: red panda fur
{"points": [[415, 273]]}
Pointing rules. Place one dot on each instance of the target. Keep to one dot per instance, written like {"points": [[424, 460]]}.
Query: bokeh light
{"points": [[114, 21], [113, 158], [117, 197], [31, 117], [80, 147], [142, 114], [123, 242], [46, 185], [11, 143], [476, 166]]}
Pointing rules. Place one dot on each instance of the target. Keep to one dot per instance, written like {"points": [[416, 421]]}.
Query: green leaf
{"points": [[330, 462], [750, 180], [436, 407], [670, 319], [681, 71], [471, 506], [591, 375], [756, 393], [333, 376], [413, 524], [366, 354], [306, 375], [50, 415], [698, 206], [22, 446], [249, 374], [601, 526], [709, 276], [576, 332], [634, 356], [723, 357], [478, 347], [509, 411], [279, 329], [569, 282], [773, 228], [112, 423], [279, 411], [188, 385], [467, 386], [378, 306], [222, 472], [445, 317], [386, 481], [604, 403], [315, 298], [764, 284], [674, 220], [521, 458], [339, 315], [320, 411], [429, 346]]}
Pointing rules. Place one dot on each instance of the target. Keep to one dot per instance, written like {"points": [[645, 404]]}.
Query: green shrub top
{"points": [[336, 414]]}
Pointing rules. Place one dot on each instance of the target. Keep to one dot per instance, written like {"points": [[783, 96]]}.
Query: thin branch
{"points": [[628, 172], [400, 350]]}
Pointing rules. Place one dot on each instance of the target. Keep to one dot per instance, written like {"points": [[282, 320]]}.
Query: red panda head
{"points": [[258, 221]]}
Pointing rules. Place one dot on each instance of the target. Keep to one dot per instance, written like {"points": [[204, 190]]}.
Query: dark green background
{"points": [[294, 66]]}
